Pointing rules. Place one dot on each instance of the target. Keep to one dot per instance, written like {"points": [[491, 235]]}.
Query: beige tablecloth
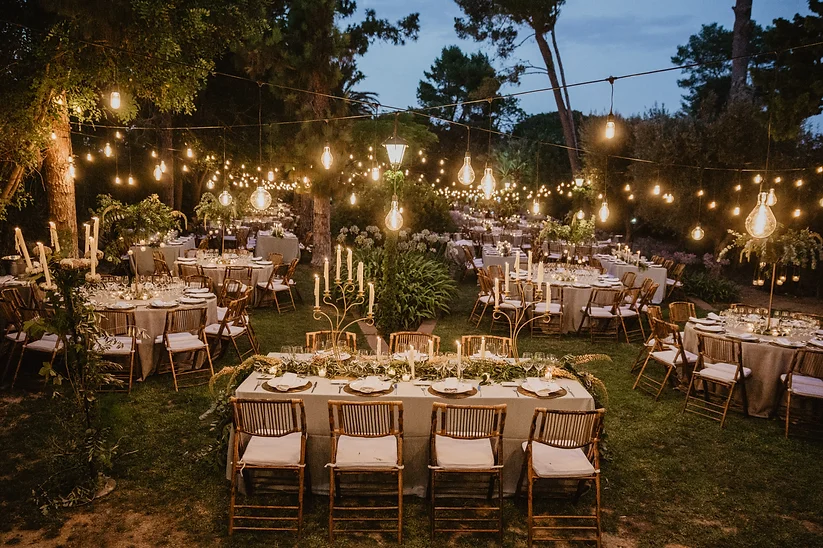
{"points": [[417, 404], [656, 273], [288, 246], [767, 362], [143, 254]]}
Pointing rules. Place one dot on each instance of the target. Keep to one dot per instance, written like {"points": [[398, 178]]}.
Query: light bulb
{"points": [[698, 233], [466, 173], [771, 199], [270, 176], [89, 157], [631, 197], [488, 183], [225, 198], [627, 188], [604, 212], [114, 100], [162, 166], [761, 223], [185, 168], [53, 136], [656, 190], [394, 220], [158, 172], [700, 192], [210, 184], [796, 213], [712, 204], [578, 181], [758, 179], [580, 215], [107, 150], [375, 173], [326, 158], [117, 180], [260, 199], [821, 202], [798, 183], [131, 180], [154, 154], [736, 211], [189, 152], [353, 198], [72, 172], [610, 126], [536, 207]]}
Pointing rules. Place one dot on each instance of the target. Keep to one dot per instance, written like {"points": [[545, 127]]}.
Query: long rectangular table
{"points": [[417, 404]]}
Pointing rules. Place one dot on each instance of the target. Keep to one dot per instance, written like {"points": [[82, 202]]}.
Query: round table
{"points": [[216, 271], [656, 273], [288, 246]]}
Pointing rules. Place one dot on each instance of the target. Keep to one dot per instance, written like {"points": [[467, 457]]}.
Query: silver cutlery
{"points": [[312, 388]]}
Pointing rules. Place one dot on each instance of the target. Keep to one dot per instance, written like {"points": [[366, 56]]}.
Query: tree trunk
{"points": [[166, 154], [565, 90], [59, 183], [13, 182], [321, 230], [568, 130], [740, 46]]}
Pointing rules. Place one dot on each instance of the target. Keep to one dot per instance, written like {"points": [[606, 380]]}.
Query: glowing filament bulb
{"points": [[210, 184], [627, 188], [466, 173], [771, 199], [580, 215], [185, 168], [761, 223], [698, 233], [610, 126], [758, 179], [603, 213], [158, 172], [107, 150], [578, 181], [375, 173], [270, 176], [154, 154], [117, 180], [536, 207], [114, 100], [189, 152], [131, 180], [394, 219], [488, 183], [736, 211], [712, 204], [89, 157], [72, 172], [656, 190], [796, 213], [631, 197], [326, 158], [162, 166], [225, 198], [353, 198], [260, 199]]}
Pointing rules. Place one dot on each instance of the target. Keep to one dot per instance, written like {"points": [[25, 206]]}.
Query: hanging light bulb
{"points": [[114, 100], [326, 158], [225, 198], [712, 204], [158, 172], [580, 215], [603, 213], [162, 166], [185, 168], [698, 233], [578, 181], [210, 184], [796, 213], [736, 211], [375, 173], [488, 183], [353, 198], [189, 152], [117, 180], [107, 150], [394, 219], [771, 199], [536, 207], [53, 136], [656, 190], [758, 179], [270, 176], [466, 173], [631, 197], [761, 223], [260, 199], [89, 157], [72, 172], [131, 180], [154, 154], [627, 188], [610, 126]]}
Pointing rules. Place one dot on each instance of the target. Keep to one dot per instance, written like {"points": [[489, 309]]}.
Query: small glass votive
{"points": [[405, 377]]}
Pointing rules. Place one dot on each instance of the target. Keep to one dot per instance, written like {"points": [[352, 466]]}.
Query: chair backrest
{"points": [[419, 339], [117, 322], [628, 278], [290, 271], [647, 295], [714, 349], [270, 418], [666, 333], [204, 243], [808, 362], [190, 253], [366, 419], [631, 297], [10, 316], [654, 312], [12, 295], [500, 346], [160, 265], [567, 429], [199, 280], [495, 272], [644, 285], [557, 293], [232, 289], [189, 269], [680, 312], [606, 298], [316, 340], [236, 272], [276, 259], [469, 422], [677, 273], [668, 264], [185, 320]]}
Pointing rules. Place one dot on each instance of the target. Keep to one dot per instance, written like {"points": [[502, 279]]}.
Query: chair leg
{"points": [[400, 507], [597, 509], [432, 498], [232, 498], [728, 404], [500, 504], [301, 474], [663, 384], [530, 502], [642, 370], [331, 504], [131, 370], [19, 363], [173, 372], [689, 391], [788, 410]]}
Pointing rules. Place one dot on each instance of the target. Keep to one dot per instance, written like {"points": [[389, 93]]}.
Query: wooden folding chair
{"points": [[186, 270], [719, 368], [276, 260], [366, 440], [161, 268], [673, 282], [562, 445], [269, 436], [242, 274], [485, 298], [652, 312], [628, 279], [680, 312], [184, 333], [47, 343], [804, 384], [278, 285], [552, 323], [119, 342], [600, 314], [470, 345], [399, 340], [667, 350], [233, 326], [629, 312], [318, 340], [198, 281], [465, 443], [14, 333]]}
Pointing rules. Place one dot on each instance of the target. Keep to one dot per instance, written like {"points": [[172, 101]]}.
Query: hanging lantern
{"points": [[761, 222], [162, 166], [375, 173], [158, 172], [353, 198], [131, 180], [260, 199], [656, 190], [114, 100], [394, 219], [604, 212], [578, 181], [771, 199], [466, 173], [189, 152], [580, 215], [107, 150], [326, 158], [488, 183], [225, 198], [536, 207], [210, 184], [395, 148], [610, 126], [698, 233]]}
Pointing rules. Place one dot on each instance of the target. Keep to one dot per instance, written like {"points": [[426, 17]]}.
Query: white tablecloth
{"points": [[143, 254], [288, 246], [656, 273], [490, 257], [417, 403], [217, 272]]}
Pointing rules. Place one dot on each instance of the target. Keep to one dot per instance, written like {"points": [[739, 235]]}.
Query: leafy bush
{"points": [[711, 288]]}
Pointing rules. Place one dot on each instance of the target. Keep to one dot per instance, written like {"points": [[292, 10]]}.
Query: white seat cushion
{"points": [[510, 304], [355, 452], [599, 312], [182, 342], [553, 462], [485, 299], [455, 453], [16, 336], [540, 308], [805, 386], [47, 343], [221, 313], [120, 345], [722, 371], [478, 263], [229, 330], [673, 357], [275, 286], [263, 450]]}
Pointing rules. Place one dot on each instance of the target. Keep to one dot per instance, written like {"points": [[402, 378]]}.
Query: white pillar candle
{"points": [[326, 274], [379, 344], [410, 355], [431, 349], [459, 361], [371, 298], [96, 235], [482, 348], [55, 241], [21, 242], [548, 296], [517, 263], [529, 265], [360, 276], [348, 264], [496, 292], [93, 251], [540, 274], [44, 264], [507, 278], [339, 262], [86, 240], [316, 291]]}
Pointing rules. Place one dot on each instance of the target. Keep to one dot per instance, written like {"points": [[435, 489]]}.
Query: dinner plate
{"points": [[785, 343], [462, 388], [419, 356], [162, 304], [743, 336], [580, 286], [709, 328], [816, 342], [278, 383], [545, 387], [343, 355], [702, 321], [195, 290], [360, 385], [121, 305], [489, 356], [190, 300]]}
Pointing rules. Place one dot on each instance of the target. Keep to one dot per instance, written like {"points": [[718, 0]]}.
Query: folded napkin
{"points": [[713, 316], [286, 382], [451, 384], [539, 386], [783, 341], [817, 342], [371, 384]]}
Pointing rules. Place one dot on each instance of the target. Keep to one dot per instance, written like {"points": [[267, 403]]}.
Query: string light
{"points": [[698, 233], [326, 158], [114, 100], [536, 207], [488, 183], [260, 199], [189, 152], [162, 166], [771, 199], [610, 118], [117, 180], [185, 168], [375, 173], [158, 172], [758, 179], [107, 150], [798, 183], [353, 198], [761, 223], [736, 211], [656, 190], [225, 198], [796, 213], [89, 157], [580, 215], [603, 213]]}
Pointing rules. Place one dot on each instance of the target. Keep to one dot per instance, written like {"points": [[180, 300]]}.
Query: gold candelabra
{"points": [[351, 298], [517, 317]]}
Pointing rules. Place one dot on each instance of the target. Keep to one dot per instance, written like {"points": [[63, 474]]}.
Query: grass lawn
{"points": [[668, 479]]}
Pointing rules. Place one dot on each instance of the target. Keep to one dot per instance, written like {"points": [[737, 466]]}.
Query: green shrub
{"points": [[712, 289]]}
